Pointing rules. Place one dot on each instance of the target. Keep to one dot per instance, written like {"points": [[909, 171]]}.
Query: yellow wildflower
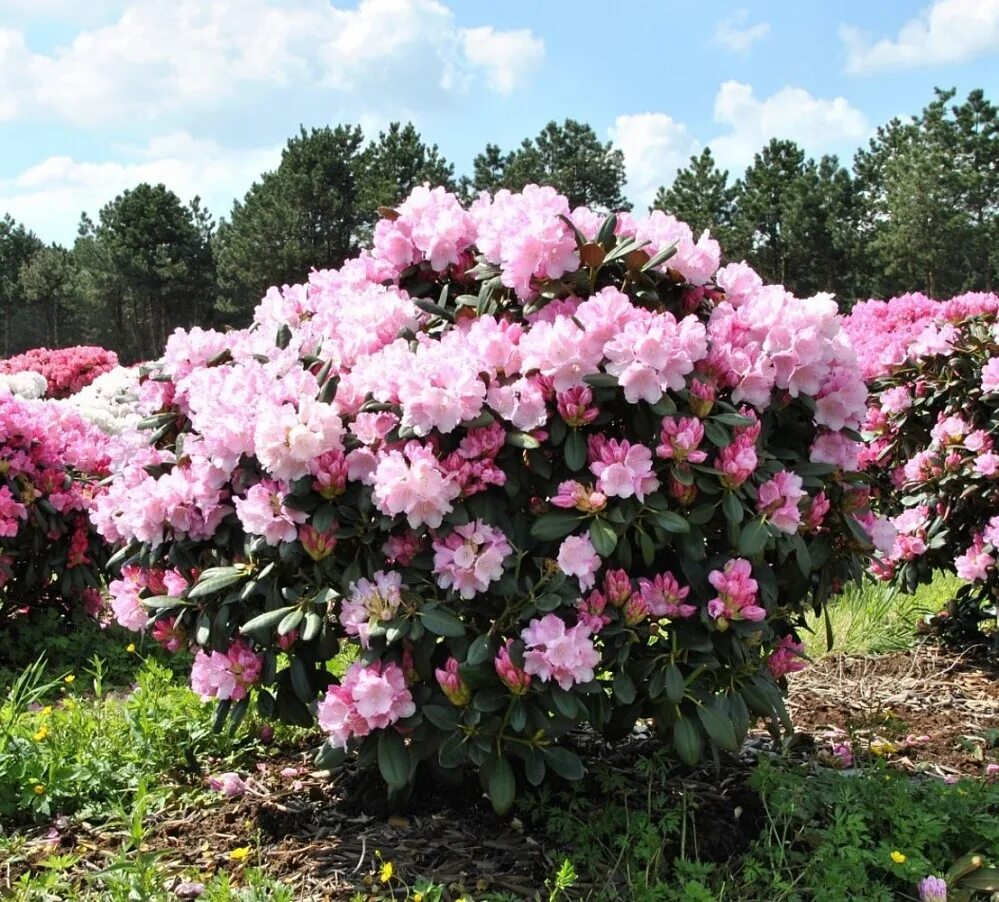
{"points": [[40, 789], [46, 711], [385, 875], [897, 857], [68, 678], [41, 733], [130, 648], [240, 854]]}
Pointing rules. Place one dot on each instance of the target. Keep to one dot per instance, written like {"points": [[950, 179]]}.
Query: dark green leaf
{"points": [[441, 622], [393, 759]]}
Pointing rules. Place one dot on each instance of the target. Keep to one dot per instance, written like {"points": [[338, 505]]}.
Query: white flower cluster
{"points": [[27, 384], [111, 401]]}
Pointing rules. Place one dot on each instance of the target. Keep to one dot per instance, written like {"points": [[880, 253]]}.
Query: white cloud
{"points": [[50, 196], [737, 35], [818, 125], [949, 31], [655, 146], [159, 57], [508, 58]]}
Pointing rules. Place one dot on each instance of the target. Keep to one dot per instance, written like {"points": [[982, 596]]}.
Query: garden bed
{"points": [[328, 837], [945, 704]]}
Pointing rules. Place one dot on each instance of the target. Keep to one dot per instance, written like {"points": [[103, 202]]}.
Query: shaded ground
{"points": [[926, 710]]}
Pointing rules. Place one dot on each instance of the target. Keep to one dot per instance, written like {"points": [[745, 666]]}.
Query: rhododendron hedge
{"points": [[51, 461], [66, 370], [539, 467], [931, 430]]}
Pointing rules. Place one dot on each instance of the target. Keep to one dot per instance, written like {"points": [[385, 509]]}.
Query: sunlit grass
{"points": [[876, 618]]}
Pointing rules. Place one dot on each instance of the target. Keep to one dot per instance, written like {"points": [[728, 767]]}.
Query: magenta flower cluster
{"points": [[930, 431], [51, 463], [535, 466], [66, 370]]}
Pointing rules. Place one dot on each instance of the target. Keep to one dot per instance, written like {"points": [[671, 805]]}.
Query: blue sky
{"points": [[202, 94]]}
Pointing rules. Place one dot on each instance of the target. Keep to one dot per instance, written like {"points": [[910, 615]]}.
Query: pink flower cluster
{"points": [[371, 601], [51, 462], [127, 593], [778, 501], [66, 370], [485, 461], [470, 557], [226, 675], [430, 225], [737, 593], [555, 652], [370, 697]]}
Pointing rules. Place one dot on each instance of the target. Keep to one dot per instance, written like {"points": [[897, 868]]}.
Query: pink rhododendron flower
{"points": [[777, 500], [515, 678], [590, 611], [680, 439], [229, 784], [452, 685], [565, 656], [523, 235], [932, 889], [975, 563], [664, 596], [370, 697], [577, 557], [787, 657], [470, 558], [371, 601], [739, 282], [575, 406], [572, 494], [622, 469], [226, 675], [836, 449], [736, 588], [264, 513], [413, 483]]}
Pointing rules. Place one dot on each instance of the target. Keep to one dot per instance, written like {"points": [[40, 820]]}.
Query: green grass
{"points": [[876, 618]]}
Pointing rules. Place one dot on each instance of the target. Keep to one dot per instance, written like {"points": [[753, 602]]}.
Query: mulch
{"points": [[927, 711]]}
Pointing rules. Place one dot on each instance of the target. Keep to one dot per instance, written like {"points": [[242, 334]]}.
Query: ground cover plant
{"points": [[934, 371], [539, 467]]}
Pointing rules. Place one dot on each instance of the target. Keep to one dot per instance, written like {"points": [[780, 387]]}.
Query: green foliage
{"points": [[876, 618], [70, 744], [17, 246], [822, 834], [303, 214], [146, 267], [569, 157], [931, 199], [701, 196]]}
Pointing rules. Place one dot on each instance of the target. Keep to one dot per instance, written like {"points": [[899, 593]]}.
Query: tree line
{"points": [[918, 210]]}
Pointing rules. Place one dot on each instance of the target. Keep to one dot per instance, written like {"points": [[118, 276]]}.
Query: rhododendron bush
{"points": [[66, 370], [539, 467], [931, 430], [51, 461]]}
